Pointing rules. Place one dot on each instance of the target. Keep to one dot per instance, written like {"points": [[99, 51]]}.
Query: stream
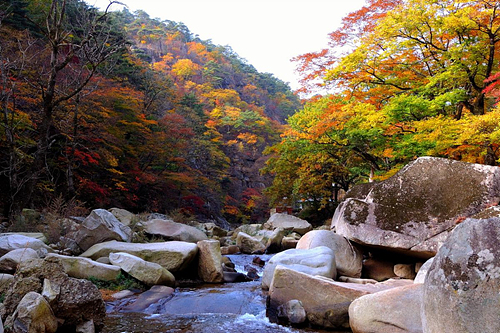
{"points": [[210, 308]]}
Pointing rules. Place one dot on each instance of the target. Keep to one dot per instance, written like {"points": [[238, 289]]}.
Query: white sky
{"points": [[267, 33]]}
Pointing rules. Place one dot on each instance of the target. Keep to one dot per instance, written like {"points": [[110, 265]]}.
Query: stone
{"points": [[348, 258], [461, 287], [273, 244], [5, 281], [37, 235], [33, 315], [210, 229], [86, 327], [356, 280], [232, 277], [325, 301], [249, 229], [405, 271], [148, 273], [122, 294], [84, 268], [123, 215], [317, 261], [414, 211], [9, 242], [10, 260], [292, 312], [378, 269], [210, 261], [249, 244], [174, 231], [150, 297], [101, 226], [231, 249], [289, 243], [174, 256], [288, 222], [422, 272], [493, 211], [395, 310]]}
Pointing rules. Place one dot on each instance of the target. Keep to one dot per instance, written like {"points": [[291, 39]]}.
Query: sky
{"points": [[267, 33]]}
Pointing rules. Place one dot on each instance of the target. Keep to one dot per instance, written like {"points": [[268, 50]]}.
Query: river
{"points": [[220, 308]]}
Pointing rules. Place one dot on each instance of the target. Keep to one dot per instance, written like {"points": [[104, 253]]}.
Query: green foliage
{"points": [[124, 281]]}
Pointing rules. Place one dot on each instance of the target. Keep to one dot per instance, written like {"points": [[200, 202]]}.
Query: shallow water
{"points": [[229, 307]]}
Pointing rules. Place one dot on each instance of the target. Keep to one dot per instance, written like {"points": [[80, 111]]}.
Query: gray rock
{"points": [[462, 284], [210, 261], [150, 297], [174, 231], [174, 256], [391, 311], [10, 261], [348, 258], [147, 272], [289, 243], [33, 314], [37, 235], [123, 215], [317, 261], [293, 312], [273, 244], [101, 226], [9, 242], [414, 211], [85, 327], [84, 268], [422, 272], [249, 244], [288, 222]]}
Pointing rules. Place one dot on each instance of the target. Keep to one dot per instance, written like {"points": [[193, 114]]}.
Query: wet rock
{"points": [[258, 261], [414, 211], [422, 272], [10, 242], [101, 226], [317, 261], [391, 311], [10, 261], [148, 273], [122, 294], [174, 231], [150, 297], [292, 312], [231, 249], [174, 256], [210, 261], [252, 272], [348, 258], [230, 277], [462, 284], [84, 268], [32, 315], [288, 222], [249, 244]]}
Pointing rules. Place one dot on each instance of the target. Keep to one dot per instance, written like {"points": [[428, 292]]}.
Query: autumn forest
{"points": [[117, 109]]}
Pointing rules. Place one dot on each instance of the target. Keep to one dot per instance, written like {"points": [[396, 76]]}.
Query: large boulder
{"points": [[174, 231], [390, 311], [414, 211], [422, 272], [249, 244], [10, 261], [348, 258], [9, 242], [288, 222], [210, 261], [317, 261], [461, 287], [325, 301], [148, 273], [174, 256], [101, 226], [123, 215], [33, 315], [84, 268]]}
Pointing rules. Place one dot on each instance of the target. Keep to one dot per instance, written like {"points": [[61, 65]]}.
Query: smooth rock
{"points": [[422, 272], [288, 222], [37, 235], [414, 211], [461, 289], [378, 269], [325, 301], [148, 273], [84, 268], [348, 258], [317, 261], [33, 315], [10, 260], [356, 280], [249, 244], [174, 256], [292, 312], [150, 297], [289, 243], [230, 249], [9, 242], [101, 226], [391, 311], [174, 231], [210, 261], [122, 294]]}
